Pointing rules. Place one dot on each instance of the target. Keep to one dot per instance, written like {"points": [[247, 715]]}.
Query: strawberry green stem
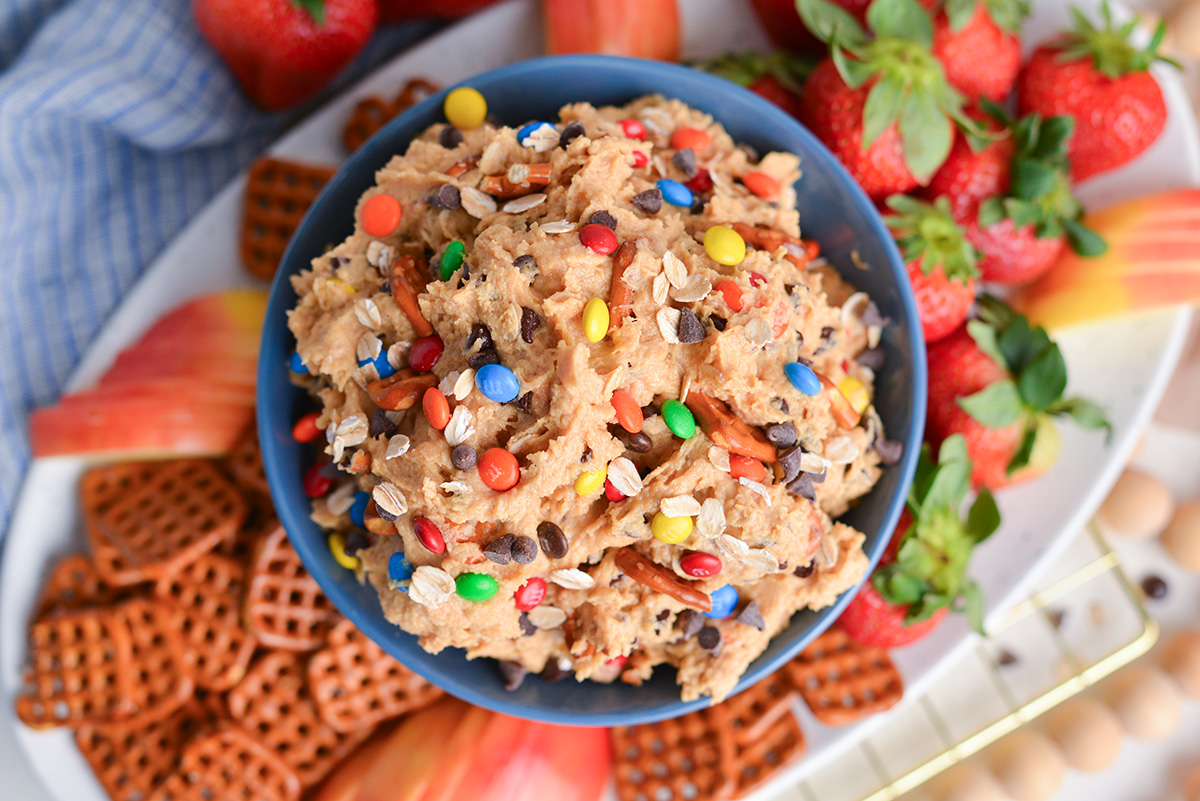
{"points": [[314, 9]]}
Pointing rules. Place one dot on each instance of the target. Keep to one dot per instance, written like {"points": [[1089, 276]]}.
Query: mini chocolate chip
{"points": [[638, 443], [752, 616], [685, 161], [781, 435], [522, 404], [513, 674], [649, 201], [649, 410], [827, 333], [781, 404], [889, 450], [789, 460], [689, 621], [872, 358], [602, 217], [552, 672], [385, 288], [698, 206], [718, 322], [482, 334], [462, 457], [802, 487], [450, 137], [572, 131], [499, 550], [663, 616], [1154, 587], [356, 540], [690, 330], [380, 424], [804, 571], [586, 456], [494, 121], [552, 540], [783, 566], [524, 550], [527, 627], [750, 151], [525, 262], [446, 197], [818, 478], [806, 363], [1006, 658], [530, 321], [709, 638], [485, 356], [871, 315]]}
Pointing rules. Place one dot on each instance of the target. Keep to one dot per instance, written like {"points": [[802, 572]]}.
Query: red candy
{"points": [[701, 183], [380, 215], [745, 467], [757, 279], [691, 138], [315, 482], [612, 493], [634, 129], [498, 469], [761, 184], [599, 238], [639, 159], [425, 352], [618, 661], [732, 293], [306, 429], [530, 594], [429, 534], [700, 565]]}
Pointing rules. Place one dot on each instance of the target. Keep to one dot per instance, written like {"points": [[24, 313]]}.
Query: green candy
{"points": [[452, 259], [679, 419], [477, 587]]}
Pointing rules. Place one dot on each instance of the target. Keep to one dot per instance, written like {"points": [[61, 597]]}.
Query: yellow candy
{"points": [[589, 482], [337, 546], [724, 245], [465, 108], [671, 530], [595, 320], [855, 392]]}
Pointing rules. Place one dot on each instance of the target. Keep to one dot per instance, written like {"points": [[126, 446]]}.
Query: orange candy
{"points": [[762, 185], [732, 293], [380, 215], [498, 469], [306, 429], [693, 138], [629, 413], [745, 467], [437, 408]]}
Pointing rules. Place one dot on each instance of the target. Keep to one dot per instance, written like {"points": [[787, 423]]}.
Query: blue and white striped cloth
{"points": [[117, 124]]}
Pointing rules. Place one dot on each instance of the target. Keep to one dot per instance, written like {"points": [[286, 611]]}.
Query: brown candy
{"points": [[372, 113], [842, 681], [278, 193], [356, 685], [208, 594], [146, 519], [229, 763], [285, 607], [273, 704], [658, 578]]}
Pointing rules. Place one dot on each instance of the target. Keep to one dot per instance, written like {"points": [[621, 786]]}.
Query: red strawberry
{"points": [[923, 573], [1011, 253], [978, 45], [285, 51], [999, 385], [640, 28], [855, 100], [1102, 81], [778, 77], [403, 10], [783, 26], [969, 175], [941, 263]]}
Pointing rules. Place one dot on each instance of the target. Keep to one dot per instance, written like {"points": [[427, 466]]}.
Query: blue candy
{"points": [[724, 601], [497, 382], [296, 364], [399, 570], [676, 193], [383, 366], [802, 378], [359, 508], [527, 130]]}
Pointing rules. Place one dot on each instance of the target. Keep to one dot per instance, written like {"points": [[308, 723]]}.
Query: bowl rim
{"points": [[376, 151]]}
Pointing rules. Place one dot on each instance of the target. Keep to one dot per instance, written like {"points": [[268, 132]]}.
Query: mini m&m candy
{"points": [[802, 378], [595, 318], [679, 419], [671, 530], [380, 215], [337, 547], [452, 259], [590, 480], [399, 569], [497, 383], [724, 601], [306, 428], [315, 483], [676, 193], [498, 469], [296, 364], [700, 565], [761, 184], [692, 139], [358, 509], [425, 352], [634, 129], [429, 535], [465, 108], [598, 238], [530, 594], [724, 245], [527, 135], [475, 587]]}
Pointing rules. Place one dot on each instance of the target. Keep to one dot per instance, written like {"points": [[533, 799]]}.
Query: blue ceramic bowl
{"points": [[833, 210]]}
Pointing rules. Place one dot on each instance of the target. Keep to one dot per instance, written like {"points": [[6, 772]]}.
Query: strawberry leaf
{"points": [[881, 109], [900, 19], [744, 69], [995, 406], [314, 9], [1024, 450], [926, 134], [1110, 47], [985, 339], [973, 606], [928, 232], [1043, 380], [1009, 15], [984, 517], [959, 13], [830, 23], [1084, 240], [898, 587], [1084, 412]]}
